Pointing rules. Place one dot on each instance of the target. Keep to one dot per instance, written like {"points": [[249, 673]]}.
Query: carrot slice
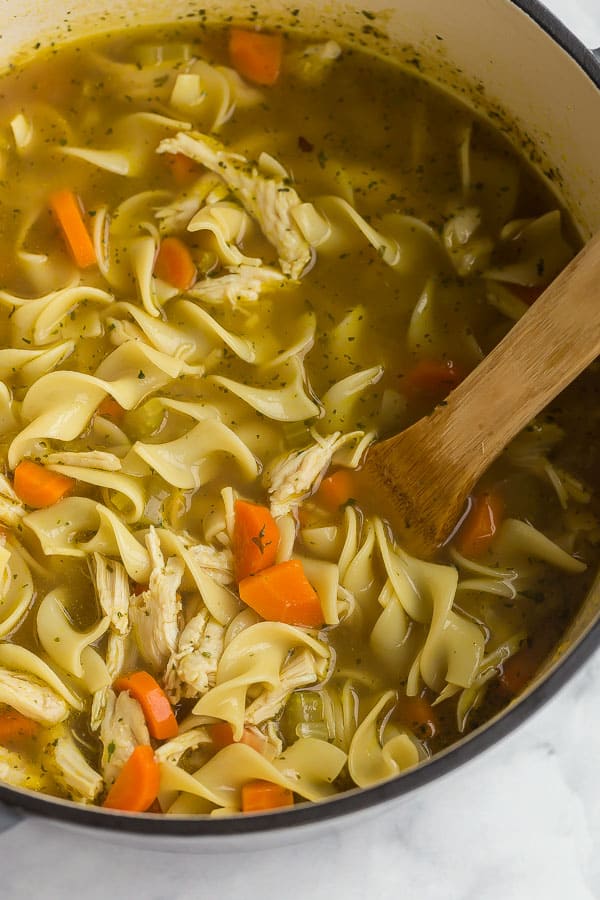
{"points": [[222, 736], [255, 55], [418, 715], [336, 489], [15, 727], [182, 167], [259, 796], [111, 409], [283, 593], [38, 486], [67, 210], [255, 538], [174, 264], [481, 524], [432, 378], [136, 787], [158, 712]]}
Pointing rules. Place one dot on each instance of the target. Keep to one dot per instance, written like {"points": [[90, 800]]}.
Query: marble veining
{"points": [[521, 822]]}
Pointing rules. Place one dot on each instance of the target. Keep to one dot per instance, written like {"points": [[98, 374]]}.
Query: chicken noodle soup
{"points": [[232, 261]]}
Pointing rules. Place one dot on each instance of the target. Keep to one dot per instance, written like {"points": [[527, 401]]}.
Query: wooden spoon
{"points": [[421, 479]]}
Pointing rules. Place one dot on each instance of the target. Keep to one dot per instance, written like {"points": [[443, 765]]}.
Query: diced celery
{"points": [[303, 717], [144, 421]]}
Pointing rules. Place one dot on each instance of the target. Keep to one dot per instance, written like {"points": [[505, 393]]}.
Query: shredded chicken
{"points": [[268, 200], [123, 729], [112, 587], [73, 771], [218, 563], [173, 750], [192, 669], [155, 613], [34, 700], [90, 459], [116, 657], [11, 508], [17, 770], [241, 283], [300, 670], [294, 476]]}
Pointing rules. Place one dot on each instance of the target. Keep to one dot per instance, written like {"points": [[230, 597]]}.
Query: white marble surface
{"points": [[521, 822]]}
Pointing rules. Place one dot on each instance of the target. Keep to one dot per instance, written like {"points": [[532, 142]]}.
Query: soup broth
{"points": [[231, 261]]}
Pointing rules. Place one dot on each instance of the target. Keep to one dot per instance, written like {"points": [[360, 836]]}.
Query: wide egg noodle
{"points": [[290, 403], [228, 223], [16, 588], [64, 530], [42, 320], [132, 143], [29, 365], [453, 648], [19, 659], [368, 761], [61, 404], [308, 767], [254, 657], [64, 645], [188, 462], [339, 401]]}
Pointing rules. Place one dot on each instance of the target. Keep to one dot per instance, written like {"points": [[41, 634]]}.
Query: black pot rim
{"points": [[358, 800]]}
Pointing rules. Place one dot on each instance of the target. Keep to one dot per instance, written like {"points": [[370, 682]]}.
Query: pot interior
{"points": [[536, 92]]}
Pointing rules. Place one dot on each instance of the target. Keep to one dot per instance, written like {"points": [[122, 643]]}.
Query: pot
{"points": [[546, 92]]}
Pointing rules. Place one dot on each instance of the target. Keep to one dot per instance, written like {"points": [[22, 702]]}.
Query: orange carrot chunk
{"points": [[418, 715], [255, 538], [182, 167], [221, 734], [38, 486], [255, 55], [174, 264], [157, 710], [481, 524], [259, 796], [67, 211], [15, 727], [111, 409], [283, 593], [136, 787], [432, 378], [336, 489]]}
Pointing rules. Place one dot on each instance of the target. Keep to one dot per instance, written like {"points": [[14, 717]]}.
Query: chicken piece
{"points": [[112, 588], [294, 476], [116, 657], [218, 563], [155, 613], [18, 771], [311, 64], [72, 770], [90, 459], [11, 508], [34, 700], [300, 670], [239, 284], [173, 750], [192, 670], [123, 729], [268, 200]]}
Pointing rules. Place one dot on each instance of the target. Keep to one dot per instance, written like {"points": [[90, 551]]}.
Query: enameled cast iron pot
{"points": [[507, 56]]}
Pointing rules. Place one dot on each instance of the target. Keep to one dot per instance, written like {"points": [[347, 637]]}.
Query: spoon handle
{"points": [[547, 348]]}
